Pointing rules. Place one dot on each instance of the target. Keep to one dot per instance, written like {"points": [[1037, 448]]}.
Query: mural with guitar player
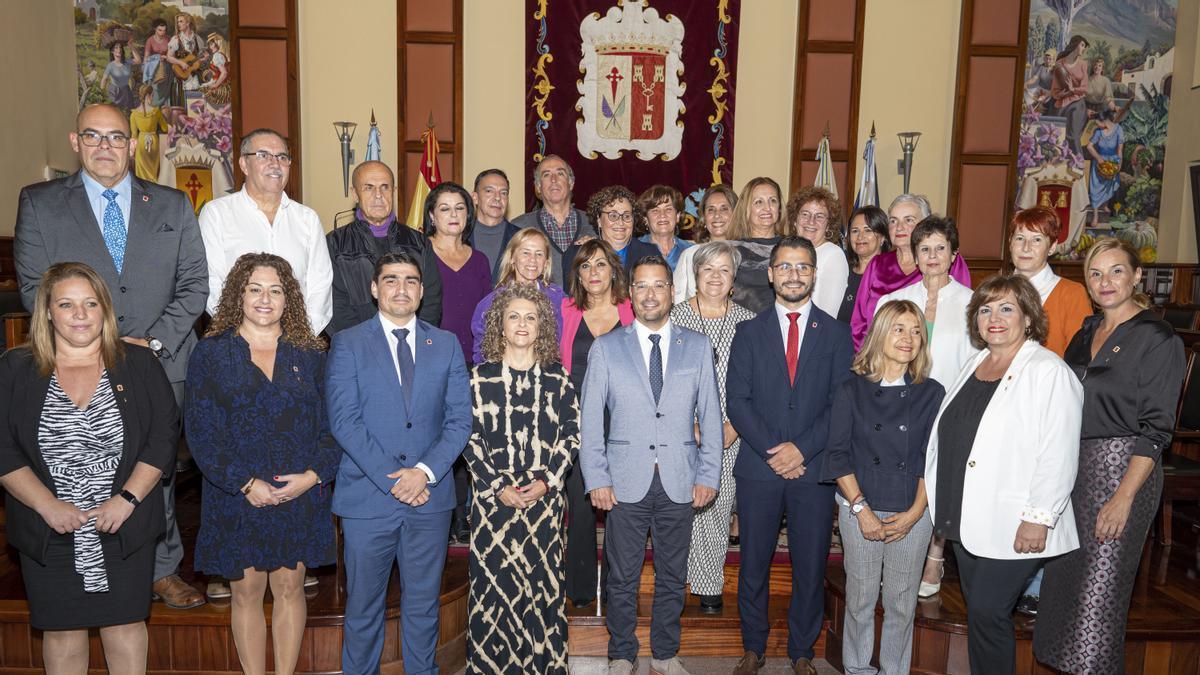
{"points": [[165, 63]]}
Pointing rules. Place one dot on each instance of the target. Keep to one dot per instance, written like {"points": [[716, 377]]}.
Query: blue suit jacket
{"points": [[378, 434], [766, 409]]}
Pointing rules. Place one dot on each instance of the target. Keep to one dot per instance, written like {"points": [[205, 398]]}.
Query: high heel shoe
{"points": [[928, 590]]}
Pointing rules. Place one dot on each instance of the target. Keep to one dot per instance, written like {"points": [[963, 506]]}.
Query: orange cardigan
{"points": [[1066, 308]]}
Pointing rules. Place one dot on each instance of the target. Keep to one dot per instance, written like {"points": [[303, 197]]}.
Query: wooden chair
{"points": [[1181, 471], [1190, 337], [1180, 316], [16, 329]]}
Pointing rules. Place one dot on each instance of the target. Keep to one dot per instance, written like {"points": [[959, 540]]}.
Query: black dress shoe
{"points": [[1028, 605], [582, 603], [711, 604]]}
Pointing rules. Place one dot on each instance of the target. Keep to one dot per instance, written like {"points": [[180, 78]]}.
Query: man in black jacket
{"points": [[353, 250]]}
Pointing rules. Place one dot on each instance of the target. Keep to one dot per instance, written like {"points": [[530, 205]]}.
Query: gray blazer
{"points": [[163, 284], [530, 219], [640, 432]]}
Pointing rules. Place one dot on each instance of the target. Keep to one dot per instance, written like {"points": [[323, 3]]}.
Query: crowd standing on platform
{"points": [[506, 384]]}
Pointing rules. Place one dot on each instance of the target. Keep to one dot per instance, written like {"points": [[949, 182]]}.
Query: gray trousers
{"points": [[898, 565], [168, 553], [670, 526]]}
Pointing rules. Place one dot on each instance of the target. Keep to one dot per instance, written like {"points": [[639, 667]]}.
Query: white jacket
{"points": [[950, 344], [1023, 463]]}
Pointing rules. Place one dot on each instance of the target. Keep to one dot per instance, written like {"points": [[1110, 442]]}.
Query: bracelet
{"points": [[247, 487]]}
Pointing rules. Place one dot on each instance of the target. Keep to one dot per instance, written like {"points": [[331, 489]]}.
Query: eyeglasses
{"points": [[265, 156], [809, 216], [657, 286], [93, 139], [803, 269], [614, 216]]}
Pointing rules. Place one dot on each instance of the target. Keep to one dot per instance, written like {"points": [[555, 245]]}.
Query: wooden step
{"points": [[702, 634]]}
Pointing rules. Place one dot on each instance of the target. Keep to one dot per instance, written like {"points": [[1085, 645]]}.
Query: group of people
{"points": [[503, 384]]}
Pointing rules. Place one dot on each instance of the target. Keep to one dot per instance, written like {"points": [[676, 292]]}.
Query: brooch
{"points": [[814, 324], [145, 198], [120, 387], [1116, 349], [295, 369]]}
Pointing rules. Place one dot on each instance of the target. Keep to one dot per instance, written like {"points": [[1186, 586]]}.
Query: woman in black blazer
{"points": [[878, 430], [90, 427]]}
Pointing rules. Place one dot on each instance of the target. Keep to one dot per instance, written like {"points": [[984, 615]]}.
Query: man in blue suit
{"points": [[400, 406], [658, 382], [784, 366]]}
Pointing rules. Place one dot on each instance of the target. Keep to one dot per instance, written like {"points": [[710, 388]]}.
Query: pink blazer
{"points": [[571, 318]]}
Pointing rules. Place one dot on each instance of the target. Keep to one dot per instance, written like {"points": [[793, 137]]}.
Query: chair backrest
{"points": [[1188, 417], [1190, 337], [1183, 317]]}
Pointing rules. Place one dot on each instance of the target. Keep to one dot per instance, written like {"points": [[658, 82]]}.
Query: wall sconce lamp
{"points": [[345, 134], [908, 144]]}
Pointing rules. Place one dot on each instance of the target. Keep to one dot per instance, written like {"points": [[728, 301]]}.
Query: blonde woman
{"points": [[757, 226], [526, 261], [882, 508]]}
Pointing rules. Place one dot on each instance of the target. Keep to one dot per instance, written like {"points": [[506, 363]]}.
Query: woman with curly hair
{"points": [[815, 214], [258, 430], [526, 431], [618, 219]]}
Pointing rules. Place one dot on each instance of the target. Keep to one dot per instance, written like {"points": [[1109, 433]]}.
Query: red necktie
{"points": [[793, 346]]}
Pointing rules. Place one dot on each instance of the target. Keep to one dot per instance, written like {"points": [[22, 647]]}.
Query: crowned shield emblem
{"points": [[631, 94], [197, 183]]}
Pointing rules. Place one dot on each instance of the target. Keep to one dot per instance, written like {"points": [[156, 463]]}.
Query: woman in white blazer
{"points": [[1001, 463]]}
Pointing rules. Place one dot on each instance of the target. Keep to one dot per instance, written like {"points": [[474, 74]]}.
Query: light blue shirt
{"points": [[95, 194], [672, 258]]}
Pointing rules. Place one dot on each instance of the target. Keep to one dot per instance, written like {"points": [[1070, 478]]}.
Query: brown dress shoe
{"points": [[176, 593], [803, 667], [749, 664]]}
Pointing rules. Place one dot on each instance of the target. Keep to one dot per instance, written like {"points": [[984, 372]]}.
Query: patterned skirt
{"points": [[1085, 593]]}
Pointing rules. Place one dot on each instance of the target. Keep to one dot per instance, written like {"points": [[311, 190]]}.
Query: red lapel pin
{"points": [[145, 198], [428, 342]]}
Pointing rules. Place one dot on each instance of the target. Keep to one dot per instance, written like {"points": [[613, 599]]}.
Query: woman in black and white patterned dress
{"points": [[526, 430], [90, 425], [713, 312]]}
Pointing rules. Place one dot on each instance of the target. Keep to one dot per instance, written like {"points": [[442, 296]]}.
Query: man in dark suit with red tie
{"points": [[784, 366]]}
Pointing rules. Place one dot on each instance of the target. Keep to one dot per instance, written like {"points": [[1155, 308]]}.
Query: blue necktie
{"points": [[114, 229], [404, 357], [656, 374]]}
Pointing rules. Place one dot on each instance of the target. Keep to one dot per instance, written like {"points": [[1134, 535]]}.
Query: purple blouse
{"points": [[461, 292], [882, 276]]}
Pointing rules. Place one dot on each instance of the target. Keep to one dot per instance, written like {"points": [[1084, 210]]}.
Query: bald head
{"points": [[101, 139], [374, 188]]}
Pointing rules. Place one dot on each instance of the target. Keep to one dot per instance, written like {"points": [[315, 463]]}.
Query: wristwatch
{"points": [[859, 506], [129, 497], [155, 345]]}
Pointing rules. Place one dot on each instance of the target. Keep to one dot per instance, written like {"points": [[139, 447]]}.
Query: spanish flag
{"points": [[427, 178]]}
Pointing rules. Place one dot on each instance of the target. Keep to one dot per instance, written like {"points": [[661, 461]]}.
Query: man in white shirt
{"points": [[261, 218]]}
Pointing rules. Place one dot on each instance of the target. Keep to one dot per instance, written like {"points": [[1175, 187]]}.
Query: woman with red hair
{"points": [[1034, 232]]}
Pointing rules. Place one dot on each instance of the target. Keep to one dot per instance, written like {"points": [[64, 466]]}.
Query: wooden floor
{"points": [[1163, 635]]}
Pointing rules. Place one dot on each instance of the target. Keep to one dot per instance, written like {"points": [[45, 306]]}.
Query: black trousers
{"points": [[669, 525], [991, 589], [581, 541], [462, 488]]}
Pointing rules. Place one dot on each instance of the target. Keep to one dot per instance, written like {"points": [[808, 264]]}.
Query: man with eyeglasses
{"points": [[563, 224], [143, 240], [261, 218], [656, 460], [784, 366]]}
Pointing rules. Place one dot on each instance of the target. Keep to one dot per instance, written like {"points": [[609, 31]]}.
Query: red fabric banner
{"points": [[632, 93]]}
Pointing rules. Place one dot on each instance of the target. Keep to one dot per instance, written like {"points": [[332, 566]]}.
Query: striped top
{"points": [[82, 448]]}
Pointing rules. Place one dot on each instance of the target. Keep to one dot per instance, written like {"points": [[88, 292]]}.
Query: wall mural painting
{"points": [[633, 93], [1094, 121], [165, 63]]}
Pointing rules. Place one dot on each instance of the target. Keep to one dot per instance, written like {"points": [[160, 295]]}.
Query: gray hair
{"points": [[706, 253], [248, 139], [920, 201], [537, 170]]}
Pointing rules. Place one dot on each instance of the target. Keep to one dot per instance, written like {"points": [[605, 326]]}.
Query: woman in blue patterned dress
{"points": [[258, 430], [1105, 147]]}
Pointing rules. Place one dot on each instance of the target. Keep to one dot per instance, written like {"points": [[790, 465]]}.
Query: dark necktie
{"points": [[793, 346], [656, 374], [405, 359]]}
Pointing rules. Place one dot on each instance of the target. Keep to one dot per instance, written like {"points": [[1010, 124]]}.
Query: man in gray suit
{"points": [[144, 242], [661, 459]]}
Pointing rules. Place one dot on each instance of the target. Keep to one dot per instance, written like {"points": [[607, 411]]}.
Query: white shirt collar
{"points": [[782, 312], [644, 332], [1044, 282], [389, 325], [284, 199]]}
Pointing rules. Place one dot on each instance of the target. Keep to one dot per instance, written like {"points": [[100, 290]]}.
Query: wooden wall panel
{"points": [[983, 150], [429, 68], [264, 64], [828, 73]]}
